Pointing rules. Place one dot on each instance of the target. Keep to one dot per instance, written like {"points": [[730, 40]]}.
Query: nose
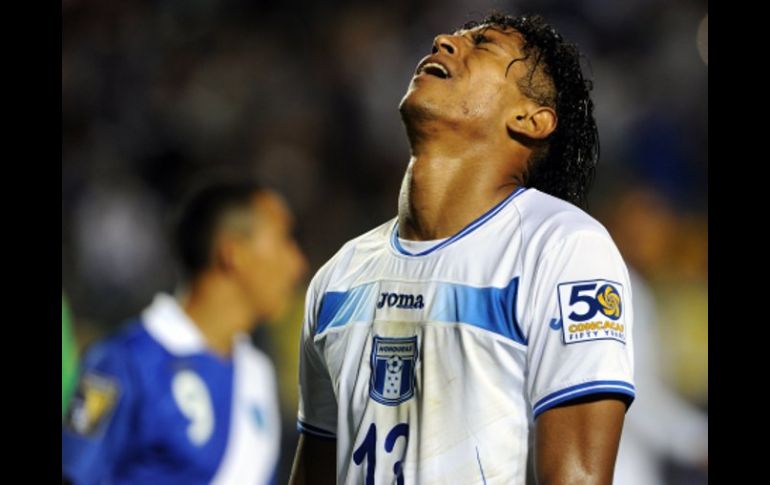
{"points": [[444, 43]]}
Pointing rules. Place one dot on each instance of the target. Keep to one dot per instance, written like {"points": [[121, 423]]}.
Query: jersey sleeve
{"points": [[579, 335], [317, 414], [97, 426]]}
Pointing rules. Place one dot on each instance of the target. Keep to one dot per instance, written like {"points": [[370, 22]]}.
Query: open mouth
{"points": [[435, 69]]}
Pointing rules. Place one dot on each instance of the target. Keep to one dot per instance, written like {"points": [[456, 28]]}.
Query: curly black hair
{"points": [[566, 165]]}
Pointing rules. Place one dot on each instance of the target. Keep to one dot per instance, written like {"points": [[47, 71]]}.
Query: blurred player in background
{"points": [[662, 426], [492, 303], [180, 395]]}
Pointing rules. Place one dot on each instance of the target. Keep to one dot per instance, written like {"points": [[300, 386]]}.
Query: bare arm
{"points": [[315, 461], [577, 444]]}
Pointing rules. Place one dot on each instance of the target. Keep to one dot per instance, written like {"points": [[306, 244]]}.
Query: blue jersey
{"points": [[154, 405]]}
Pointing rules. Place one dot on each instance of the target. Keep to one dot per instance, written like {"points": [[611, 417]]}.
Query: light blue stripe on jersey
{"points": [[488, 308], [341, 307], [464, 232], [580, 390]]}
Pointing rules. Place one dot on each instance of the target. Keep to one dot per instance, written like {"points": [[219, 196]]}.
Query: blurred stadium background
{"points": [[304, 94]]}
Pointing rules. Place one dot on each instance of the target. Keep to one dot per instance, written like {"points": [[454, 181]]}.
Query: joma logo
{"points": [[400, 300]]}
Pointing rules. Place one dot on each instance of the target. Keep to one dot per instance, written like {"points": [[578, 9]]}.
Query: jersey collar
{"points": [[478, 222], [170, 326]]}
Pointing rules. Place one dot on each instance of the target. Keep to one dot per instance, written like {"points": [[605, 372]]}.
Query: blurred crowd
{"points": [[305, 94]]}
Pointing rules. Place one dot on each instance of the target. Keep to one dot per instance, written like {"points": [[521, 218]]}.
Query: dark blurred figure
{"points": [[180, 394]]}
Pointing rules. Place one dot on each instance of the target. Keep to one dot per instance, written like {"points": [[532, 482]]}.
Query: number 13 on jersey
{"points": [[368, 451]]}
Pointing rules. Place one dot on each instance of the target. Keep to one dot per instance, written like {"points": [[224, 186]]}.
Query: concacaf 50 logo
{"points": [[592, 310]]}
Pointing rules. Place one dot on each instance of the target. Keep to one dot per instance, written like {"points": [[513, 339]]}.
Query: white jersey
{"points": [[430, 365]]}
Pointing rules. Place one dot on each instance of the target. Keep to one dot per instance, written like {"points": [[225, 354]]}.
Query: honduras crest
{"points": [[393, 361]]}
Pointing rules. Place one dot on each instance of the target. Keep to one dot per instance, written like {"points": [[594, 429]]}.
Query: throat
{"points": [[439, 198]]}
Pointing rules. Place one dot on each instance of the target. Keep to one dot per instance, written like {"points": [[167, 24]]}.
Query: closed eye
{"points": [[479, 38]]}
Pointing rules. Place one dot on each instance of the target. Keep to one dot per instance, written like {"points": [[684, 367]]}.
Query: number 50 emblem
{"points": [[592, 310]]}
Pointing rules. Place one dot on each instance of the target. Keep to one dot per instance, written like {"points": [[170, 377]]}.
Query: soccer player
{"points": [[181, 395], [492, 304]]}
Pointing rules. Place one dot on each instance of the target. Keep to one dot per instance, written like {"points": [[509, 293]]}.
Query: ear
{"points": [[226, 254], [533, 121]]}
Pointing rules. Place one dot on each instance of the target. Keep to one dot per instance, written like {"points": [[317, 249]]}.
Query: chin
{"points": [[407, 101], [417, 107], [278, 309]]}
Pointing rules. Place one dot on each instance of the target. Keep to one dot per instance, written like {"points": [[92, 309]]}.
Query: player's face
{"points": [[272, 262], [469, 79]]}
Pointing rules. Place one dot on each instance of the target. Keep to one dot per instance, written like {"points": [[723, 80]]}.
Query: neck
{"points": [[446, 186], [218, 310]]}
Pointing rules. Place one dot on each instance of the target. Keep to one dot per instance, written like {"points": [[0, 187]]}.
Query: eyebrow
{"points": [[497, 38]]}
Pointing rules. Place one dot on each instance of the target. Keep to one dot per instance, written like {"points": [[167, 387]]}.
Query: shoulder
{"points": [[119, 347], [130, 355], [350, 257], [108, 379], [548, 222]]}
